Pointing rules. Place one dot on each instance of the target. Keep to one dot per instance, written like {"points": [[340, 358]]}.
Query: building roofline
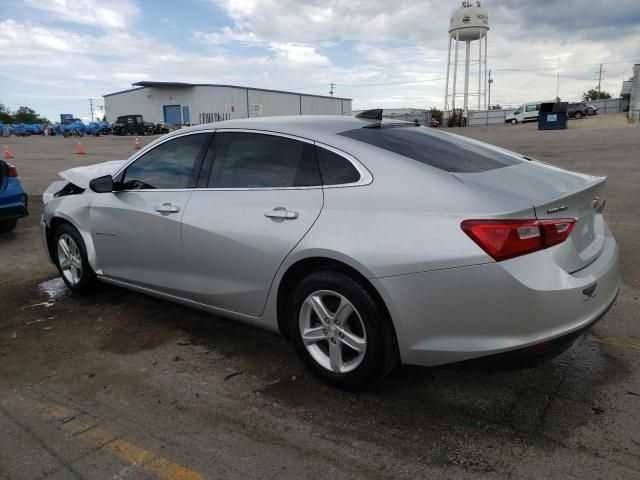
{"points": [[141, 85]]}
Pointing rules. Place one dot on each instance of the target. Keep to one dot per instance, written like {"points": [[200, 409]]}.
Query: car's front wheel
{"points": [[514, 121], [341, 331], [71, 260]]}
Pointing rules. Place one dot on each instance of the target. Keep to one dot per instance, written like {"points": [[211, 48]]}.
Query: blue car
{"points": [[13, 199]]}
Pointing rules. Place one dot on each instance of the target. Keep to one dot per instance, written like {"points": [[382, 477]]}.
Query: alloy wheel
{"points": [[332, 331], [69, 259]]}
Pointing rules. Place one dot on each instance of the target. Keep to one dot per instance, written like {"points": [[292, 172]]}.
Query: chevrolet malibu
{"points": [[366, 242]]}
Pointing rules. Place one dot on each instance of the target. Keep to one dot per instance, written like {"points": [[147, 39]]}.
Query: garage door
{"points": [[172, 114]]}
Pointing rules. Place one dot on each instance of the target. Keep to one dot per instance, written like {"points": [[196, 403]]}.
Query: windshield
{"points": [[448, 152]]}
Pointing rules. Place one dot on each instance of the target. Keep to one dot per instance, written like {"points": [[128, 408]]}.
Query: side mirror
{"points": [[102, 184]]}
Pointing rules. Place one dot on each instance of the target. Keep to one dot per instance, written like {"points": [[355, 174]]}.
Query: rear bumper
{"points": [[533, 355], [14, 211], [13, 200], [458, 314]]}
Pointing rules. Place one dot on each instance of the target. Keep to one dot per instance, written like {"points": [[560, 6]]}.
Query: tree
{"points": [[594, 94], [28, 115], [5, 114], [435, 113], [497, 106]]}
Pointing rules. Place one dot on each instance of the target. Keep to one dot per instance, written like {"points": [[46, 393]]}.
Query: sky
{"points": [[56, 54]]}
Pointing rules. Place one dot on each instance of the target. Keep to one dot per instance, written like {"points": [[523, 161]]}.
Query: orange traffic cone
{"points": [[136, 144], [79, 148], [7, 154]]}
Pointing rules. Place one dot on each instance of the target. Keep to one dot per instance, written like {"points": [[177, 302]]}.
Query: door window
{"points": [[255, 160], [335, 169], [170, 165], [531, 108]]}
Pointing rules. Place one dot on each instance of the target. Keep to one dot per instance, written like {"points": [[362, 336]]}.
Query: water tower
{"points": [[468, 24]]}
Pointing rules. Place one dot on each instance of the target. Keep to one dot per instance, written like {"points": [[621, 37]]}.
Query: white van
{"points": [[525, 113]]}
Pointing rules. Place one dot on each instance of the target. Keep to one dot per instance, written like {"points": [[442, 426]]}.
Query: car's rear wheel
{"points": [[578, 115], [71, 260], [8, 225], [341, 332]]}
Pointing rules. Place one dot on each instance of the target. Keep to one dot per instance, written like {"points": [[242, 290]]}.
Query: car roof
{"points": [[308, 126]]}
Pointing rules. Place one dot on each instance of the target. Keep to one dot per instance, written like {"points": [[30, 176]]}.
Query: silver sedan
{"points": [[366, 242]]}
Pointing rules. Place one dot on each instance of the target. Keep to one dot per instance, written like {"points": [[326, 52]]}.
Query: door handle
{"points": [[280, 214], [166, 208]]}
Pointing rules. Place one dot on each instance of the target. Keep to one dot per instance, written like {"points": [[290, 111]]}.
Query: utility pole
{"points": [[490, 81], [331, 91], [558, 87], [600, 72], [91, 108]]}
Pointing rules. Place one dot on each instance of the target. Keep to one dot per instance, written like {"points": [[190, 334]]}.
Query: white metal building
{"points": [[187, 103]]}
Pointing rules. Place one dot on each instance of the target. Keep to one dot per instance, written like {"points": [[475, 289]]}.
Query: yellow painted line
{"points": [[615, 341], [124, 450]]}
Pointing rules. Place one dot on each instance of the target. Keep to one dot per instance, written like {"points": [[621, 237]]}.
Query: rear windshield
{"points": [[451, 153]]}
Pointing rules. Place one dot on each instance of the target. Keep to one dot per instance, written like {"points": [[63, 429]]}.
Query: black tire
{"points": [[8, 226], [87, 282], [578, 115], [514, 121], [381, 352]]}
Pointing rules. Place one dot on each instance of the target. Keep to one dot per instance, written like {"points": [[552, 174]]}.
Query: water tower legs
{"points": [[485, 71], [466, 79], [455, 74], [446, 88], [479, 72]]}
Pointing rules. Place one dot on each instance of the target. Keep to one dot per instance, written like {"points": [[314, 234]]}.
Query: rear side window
{"points": [[170, 165], [335, 169], [255, 160], [451, 153]]}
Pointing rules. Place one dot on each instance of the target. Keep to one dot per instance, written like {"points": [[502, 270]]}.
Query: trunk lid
{"points": [[554, 193]]}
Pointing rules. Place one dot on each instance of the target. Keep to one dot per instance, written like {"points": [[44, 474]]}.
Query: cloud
{"points": [[226, 35], [110, 14]]}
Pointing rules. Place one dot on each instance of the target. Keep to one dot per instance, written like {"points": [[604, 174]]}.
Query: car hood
{"points": [[81, 176]]}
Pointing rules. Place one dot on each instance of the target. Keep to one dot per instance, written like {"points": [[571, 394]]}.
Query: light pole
{"points": [[490, 81]]}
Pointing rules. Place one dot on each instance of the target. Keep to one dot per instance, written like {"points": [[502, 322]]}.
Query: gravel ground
{"points": [[121, 385]]}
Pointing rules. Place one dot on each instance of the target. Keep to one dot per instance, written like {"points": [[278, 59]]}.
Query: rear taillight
{"points": [[13, 171], [503, 239]]}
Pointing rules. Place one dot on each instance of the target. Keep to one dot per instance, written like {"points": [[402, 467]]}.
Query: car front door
{"points": [[262, 195], [136, 229]]}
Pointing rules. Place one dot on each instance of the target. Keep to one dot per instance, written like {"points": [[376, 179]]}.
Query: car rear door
{"points": [[136, 229], [262, 194]]}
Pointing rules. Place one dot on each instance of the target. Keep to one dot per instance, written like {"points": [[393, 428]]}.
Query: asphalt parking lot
{"points": [[121, 385]]}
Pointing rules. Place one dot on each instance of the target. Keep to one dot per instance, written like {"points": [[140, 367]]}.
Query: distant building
{"points": [[631, 93], [188, 103]]}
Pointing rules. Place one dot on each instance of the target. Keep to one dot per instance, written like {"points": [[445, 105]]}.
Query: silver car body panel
{"points": [[399, 227]]}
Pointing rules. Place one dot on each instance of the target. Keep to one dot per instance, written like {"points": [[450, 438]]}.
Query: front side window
{"points": [[335, 169], [255, 160], [172, 164], [531, 108]]}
